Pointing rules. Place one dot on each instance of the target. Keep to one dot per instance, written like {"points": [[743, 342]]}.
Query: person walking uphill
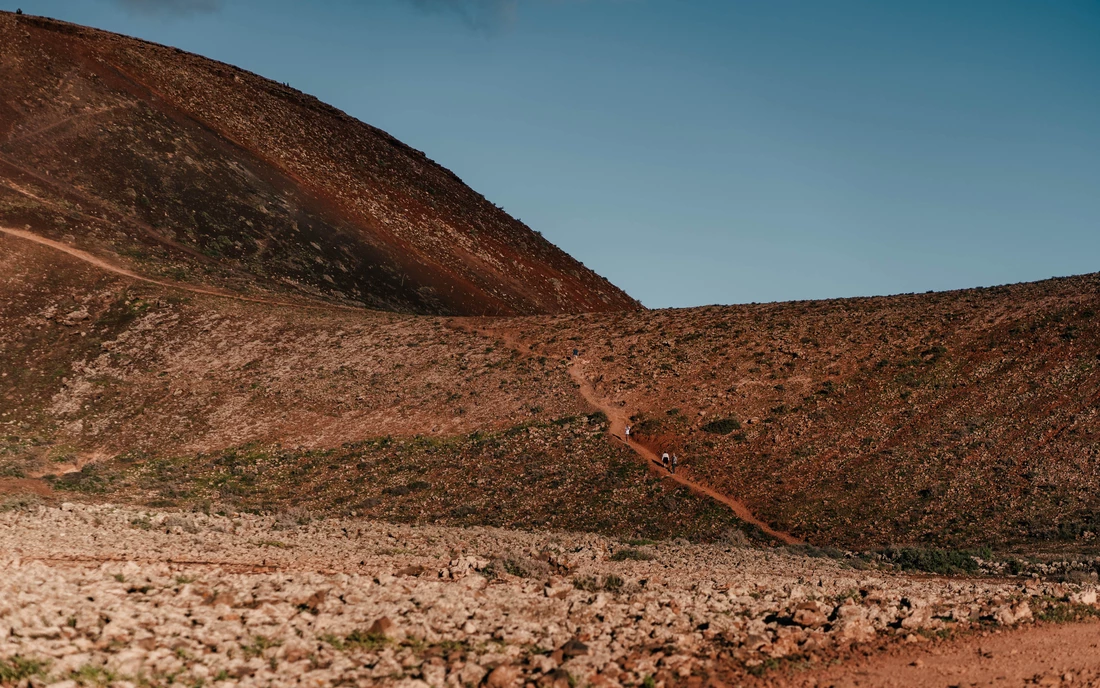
{"points": [[675, 462], [664, 460]]}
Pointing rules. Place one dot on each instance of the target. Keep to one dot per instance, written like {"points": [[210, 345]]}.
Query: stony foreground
{"points": [[116, 595]]}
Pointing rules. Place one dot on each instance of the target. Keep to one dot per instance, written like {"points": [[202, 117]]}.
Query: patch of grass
{"points": [[613, 583], [610, 583], [86, 480], [769, 664], [22, 502], [259, 645], [631, 554], [364, 640], [817, 552], [722, 426], [599, 418], [466, 480], [941, 561], [93, 675], [17, 668], [1060, 611], [514, 565], [10, 471]]}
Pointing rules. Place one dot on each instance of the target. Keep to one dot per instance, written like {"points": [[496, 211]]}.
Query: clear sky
{"points": [[715, 151]]}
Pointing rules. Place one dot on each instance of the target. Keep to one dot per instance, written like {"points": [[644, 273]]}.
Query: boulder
{"points": [[504, 676]]}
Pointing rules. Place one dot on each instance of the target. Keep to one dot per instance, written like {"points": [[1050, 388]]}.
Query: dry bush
{"points": [[21, 502]]}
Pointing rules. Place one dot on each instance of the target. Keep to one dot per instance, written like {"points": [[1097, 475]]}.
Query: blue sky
{"points": [[716, 151]]}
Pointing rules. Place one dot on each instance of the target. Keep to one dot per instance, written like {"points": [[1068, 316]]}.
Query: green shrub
{"points": [[86, 480], [613, 583], [610, 583], [599, 418], [16, 668], [722, 426], [366, 640], [22, 502], [932, 560], [631, 554]]}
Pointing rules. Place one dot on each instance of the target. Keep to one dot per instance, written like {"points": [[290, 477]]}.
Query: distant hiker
{"points": [[627, 433], [675, 461], [576, 352], [664, 460]]}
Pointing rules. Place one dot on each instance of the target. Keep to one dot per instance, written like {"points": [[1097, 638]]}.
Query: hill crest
{"points": [[195, 170]]}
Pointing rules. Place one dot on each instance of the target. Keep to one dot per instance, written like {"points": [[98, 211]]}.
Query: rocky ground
{"points": [[101, 594]]}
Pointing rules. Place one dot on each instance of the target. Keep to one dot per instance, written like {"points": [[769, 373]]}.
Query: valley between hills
{"points": [[283, 402]]}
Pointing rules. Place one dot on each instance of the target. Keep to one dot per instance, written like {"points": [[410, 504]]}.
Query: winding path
{"points": [[110, 267], [617, 419], [617, 429]]}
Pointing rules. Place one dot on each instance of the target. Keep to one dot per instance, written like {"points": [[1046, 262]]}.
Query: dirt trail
{"points": [[109, 267], [618, 419], [1038, 655], [616, 416]]}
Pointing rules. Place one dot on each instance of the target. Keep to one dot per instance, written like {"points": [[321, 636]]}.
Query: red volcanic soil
{"points": [[959, 419], [184, 256], [193, 170]]}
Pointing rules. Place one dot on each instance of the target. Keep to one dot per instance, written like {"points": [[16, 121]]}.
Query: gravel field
{"points": [[101, 594]]}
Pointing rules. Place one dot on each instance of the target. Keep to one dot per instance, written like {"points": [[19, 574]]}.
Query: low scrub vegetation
{"points": [[557, 474], [631, 555], [722, 426], [941, 561]]}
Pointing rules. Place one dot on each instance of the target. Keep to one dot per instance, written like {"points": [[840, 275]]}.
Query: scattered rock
{"points": [[309, 613], [810, 615], [573, 648], [504, 676], [382, 627]]}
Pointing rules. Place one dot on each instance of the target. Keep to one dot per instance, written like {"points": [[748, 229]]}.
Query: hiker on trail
{"points": [[576, 352], [674, 462], [627, 433], [664, 460]]}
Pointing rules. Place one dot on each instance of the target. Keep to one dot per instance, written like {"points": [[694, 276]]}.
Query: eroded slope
{"points": [[955, 418], [964, 419], [201, 172]]}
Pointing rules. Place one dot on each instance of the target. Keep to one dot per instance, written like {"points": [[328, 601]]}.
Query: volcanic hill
{"points": [[182, 246], [282, 402], [190, 170]]}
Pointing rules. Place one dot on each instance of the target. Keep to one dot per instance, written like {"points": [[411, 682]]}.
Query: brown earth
{"points": [[960, 419], [180, 167], [186, 252], [617, 428], [1039, 656]]}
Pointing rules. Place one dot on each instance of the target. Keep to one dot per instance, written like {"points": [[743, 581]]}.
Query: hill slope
{"points": [[193, 170], [963, 418]]}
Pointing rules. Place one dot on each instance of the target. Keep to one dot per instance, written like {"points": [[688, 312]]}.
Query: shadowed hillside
{"points": [[193, 170]]}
